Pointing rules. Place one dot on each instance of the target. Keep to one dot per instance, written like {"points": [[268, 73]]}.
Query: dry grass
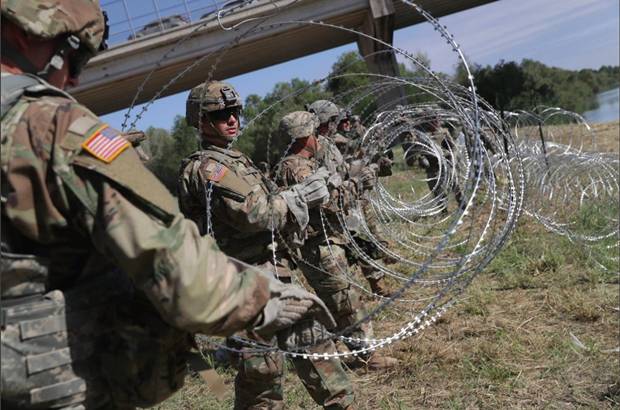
{"points": [[538, 329], [602, 137]]}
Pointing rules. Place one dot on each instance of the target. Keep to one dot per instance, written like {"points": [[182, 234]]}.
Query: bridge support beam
{"points": [[380, 59]]}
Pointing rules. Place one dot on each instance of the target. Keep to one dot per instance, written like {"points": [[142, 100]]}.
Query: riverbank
{"points": [[608, 107]]}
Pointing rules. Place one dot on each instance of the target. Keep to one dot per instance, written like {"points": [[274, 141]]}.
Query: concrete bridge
{"points": [[110, 81]]}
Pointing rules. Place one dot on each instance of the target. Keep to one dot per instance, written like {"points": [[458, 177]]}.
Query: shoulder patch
{"points": [[105, 143], [214, 171], [129, 172]]}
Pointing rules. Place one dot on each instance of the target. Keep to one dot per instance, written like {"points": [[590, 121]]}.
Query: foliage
{"points": [[525, 85], [261, 139], [507, 86], [166, 150], [351, 82]]}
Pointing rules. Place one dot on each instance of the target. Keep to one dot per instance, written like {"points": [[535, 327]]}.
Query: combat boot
{"points": [[378, 287], [377, 361]]}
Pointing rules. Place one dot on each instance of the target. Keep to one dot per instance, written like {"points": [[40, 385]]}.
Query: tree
{"points": [[501, 84], [512, 86], [167, 150], [261, 116]]}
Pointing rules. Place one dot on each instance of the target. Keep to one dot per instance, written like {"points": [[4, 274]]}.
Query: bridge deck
{"points": [[110, 80]]}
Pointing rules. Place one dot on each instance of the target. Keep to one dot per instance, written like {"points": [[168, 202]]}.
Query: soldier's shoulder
{"points": [[209, 164], [220, 168], [54, 107]]}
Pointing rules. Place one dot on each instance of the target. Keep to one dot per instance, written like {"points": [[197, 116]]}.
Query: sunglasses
{"points": [[77, 61], [224, 115]]}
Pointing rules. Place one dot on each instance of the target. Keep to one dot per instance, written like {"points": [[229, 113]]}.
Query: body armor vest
{"points": [[88, 344], [243, 177]]}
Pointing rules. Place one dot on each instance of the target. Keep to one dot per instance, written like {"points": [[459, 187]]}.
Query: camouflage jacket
{"points": [[243, 202], [342, 143], [294, 169], [87, 217], [330, 157]]}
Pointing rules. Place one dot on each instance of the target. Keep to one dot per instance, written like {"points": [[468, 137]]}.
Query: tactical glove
{"points": [[288, 305], [303, 334], [314, 189]]}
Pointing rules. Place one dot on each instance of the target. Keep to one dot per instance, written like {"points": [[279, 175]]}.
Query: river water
{"points": [[609, 107]]}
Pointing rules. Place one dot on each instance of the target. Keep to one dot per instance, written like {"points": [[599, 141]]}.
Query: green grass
{"points": [[506, 344]]}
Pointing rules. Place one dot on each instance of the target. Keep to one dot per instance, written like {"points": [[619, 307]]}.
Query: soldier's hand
{"points": [[135, 137], [334, 180], [313, 190], [321, 173], [303, 334], [288, 305]]}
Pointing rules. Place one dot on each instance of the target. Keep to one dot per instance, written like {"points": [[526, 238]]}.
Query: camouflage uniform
{"points": [[330, 154], [437, 180], [102, 279], [82, 220], [324, 263], [323, 258], [242, 211]]}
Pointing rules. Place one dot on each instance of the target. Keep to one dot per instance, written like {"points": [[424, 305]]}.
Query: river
{"points": [[608, 109]]}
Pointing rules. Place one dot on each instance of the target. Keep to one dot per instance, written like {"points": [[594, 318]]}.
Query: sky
{"points": [[571, 34]]}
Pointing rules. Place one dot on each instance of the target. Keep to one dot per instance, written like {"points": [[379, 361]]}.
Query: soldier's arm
{"points": [[134, 222], [244, 207], [193, 284], [255, 211], [294, 172]]}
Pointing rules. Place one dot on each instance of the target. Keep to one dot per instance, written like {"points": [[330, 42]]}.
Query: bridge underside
{"points": [[111, 80]]}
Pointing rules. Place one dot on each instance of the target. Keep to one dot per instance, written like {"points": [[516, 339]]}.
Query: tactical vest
{"points": [[330, 157], [98, 341], [242, 177]]}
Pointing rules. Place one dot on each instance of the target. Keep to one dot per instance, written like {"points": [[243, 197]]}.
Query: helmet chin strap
{"points": [[55, 63]]}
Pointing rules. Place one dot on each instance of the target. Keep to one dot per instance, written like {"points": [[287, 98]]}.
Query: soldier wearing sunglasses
{"points": [[227, 195]]}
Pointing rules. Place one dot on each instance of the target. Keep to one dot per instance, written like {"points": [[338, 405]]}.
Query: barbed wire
{"points": [[456, 198]]}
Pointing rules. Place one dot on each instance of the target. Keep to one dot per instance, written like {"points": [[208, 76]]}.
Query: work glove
{"points": [[302, 334], [288, 305], [314, 188]]}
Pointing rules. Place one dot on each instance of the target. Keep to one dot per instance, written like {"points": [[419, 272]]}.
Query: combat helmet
{"points": [[299, 124], [324, 109], [208, 97], [81, 21]]}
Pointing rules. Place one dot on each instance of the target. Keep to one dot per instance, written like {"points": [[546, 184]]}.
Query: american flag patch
{"points": [[105, 143], [215, 171]]}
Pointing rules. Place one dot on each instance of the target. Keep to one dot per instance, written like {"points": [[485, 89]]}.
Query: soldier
{"points": [[226, 194], [331, 157], [343, 135], [102, 279], [324, 263], [437, 142]]}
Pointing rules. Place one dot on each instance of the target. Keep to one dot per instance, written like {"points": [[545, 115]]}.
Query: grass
{"points": [[539, 328]]}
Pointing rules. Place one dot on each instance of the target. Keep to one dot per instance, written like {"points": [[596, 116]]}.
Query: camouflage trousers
{"points": [[258, 384], [324, 269], [368, 247], [438, 182]]}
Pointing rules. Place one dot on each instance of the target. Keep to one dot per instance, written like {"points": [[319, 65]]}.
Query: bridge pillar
{"points": [[379, 23]]}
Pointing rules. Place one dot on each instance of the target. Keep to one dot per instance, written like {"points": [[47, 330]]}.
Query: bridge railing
{"points": [[130, 19]]}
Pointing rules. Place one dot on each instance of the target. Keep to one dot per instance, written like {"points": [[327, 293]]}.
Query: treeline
{"points": [[511, 86], [506, 86]]}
